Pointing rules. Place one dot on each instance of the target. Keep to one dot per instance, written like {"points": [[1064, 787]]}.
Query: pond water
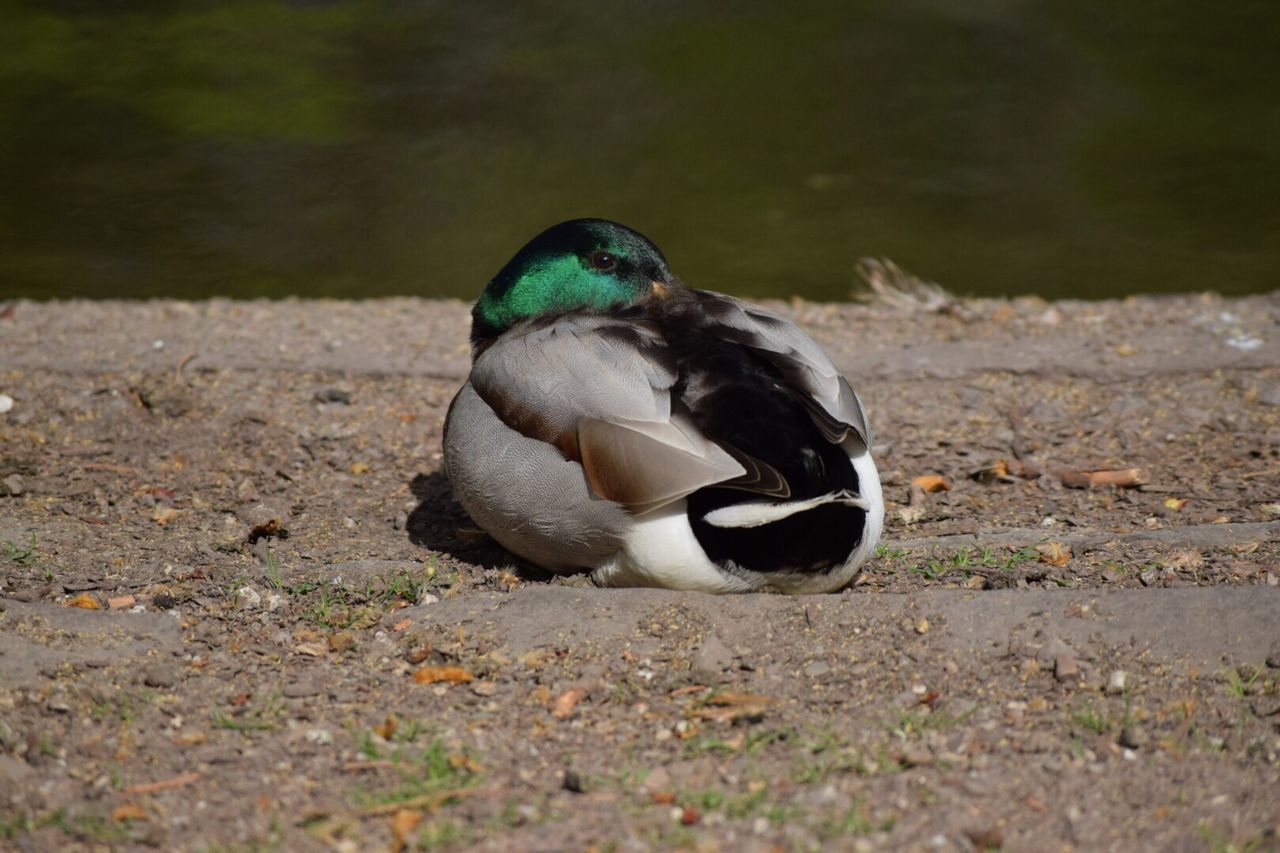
{"points": [[365, 148]]}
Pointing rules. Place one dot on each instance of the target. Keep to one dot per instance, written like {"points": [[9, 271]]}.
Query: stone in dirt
{"points": [[1132, 737], [160, 675], [302, 689], [712, 658], [1065, 666], [1116, 682]]}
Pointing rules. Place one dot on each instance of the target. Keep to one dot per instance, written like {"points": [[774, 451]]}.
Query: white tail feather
{"points": [[755, 514]]}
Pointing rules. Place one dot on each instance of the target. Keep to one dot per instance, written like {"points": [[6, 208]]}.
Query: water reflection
{"points": [[360, 148]]}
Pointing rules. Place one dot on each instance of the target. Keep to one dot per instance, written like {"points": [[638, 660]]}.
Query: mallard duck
{"points": [[620, 422]]}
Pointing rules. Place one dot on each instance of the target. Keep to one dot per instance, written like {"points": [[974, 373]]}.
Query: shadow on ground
{"points": [[436, 520]]}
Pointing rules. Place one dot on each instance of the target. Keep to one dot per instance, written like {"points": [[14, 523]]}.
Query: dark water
{"points": [[1088, 148]]}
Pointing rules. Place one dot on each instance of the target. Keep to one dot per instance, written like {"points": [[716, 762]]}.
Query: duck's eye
{"points": [[603, 261]]}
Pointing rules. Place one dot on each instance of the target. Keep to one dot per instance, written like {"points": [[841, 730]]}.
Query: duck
{"points": [[618, 422]]}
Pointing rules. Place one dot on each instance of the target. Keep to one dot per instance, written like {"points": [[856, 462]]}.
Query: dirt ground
{"points": [[239, 609]]}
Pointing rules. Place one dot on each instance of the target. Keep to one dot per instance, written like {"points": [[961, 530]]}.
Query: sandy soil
{"points": [[240, 610]]}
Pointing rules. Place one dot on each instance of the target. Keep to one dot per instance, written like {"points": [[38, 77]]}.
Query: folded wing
{"points": [[599, 389]]}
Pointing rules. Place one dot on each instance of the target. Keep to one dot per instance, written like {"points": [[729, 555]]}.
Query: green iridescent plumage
{"points": [[554, 272]]}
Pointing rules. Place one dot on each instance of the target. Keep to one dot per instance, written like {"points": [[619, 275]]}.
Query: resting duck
{"points": [[619, 422]]}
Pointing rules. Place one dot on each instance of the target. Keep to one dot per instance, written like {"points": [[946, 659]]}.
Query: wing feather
{"points": [[599, 389], [806, 369]]}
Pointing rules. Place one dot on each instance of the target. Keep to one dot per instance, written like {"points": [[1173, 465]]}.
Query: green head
{"points": [[583, 263]]}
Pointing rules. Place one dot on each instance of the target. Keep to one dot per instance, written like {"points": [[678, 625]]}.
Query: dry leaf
{"points": [[85, 601], [729, 697], [461, 761], [313, 650], [268, 529], [164, 514], [996, 472], [469, 535], [911, 514], [730, 706], [341, 641], [566, 701], [1175, 504], [388, 727], [128, 811], [1186, 559], [403, 822], [447, 674], [121, 602], [1024, 469], [1054, 553], [1006, 471], [402, 624], [534, 658], [1073, 478], [359, 468], [190, 739], [931, 483], [164, 784], [418, 654]]}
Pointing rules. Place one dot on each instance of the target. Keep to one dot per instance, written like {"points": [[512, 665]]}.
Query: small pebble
{"points": [[573, 782], [6, 403], [301, 689], [986, 837], [1132, 737], [1065, 667], [1116, 682], [164, 601], [247, 491], [334, 395], [342, 641], [917, 756], [817, 669], [160, 675], [657, 780], [712, 658], [247, 598]]}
